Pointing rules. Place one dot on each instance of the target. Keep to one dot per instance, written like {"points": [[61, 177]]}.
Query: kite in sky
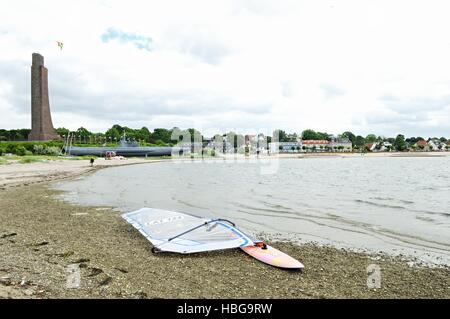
{"points": [[60, 44]]}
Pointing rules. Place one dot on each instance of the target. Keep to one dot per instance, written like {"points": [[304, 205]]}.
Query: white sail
{"points": [[182, 233]]}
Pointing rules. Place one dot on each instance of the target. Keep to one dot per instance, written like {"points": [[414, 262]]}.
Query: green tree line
{"points": [[163, 136]]}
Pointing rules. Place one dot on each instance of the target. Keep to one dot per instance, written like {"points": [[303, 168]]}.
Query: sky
{"points": [[250, 66]]}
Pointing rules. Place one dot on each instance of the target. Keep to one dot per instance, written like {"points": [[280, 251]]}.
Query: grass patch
{"points": [[30, 159], [3, 161], [34, 158]]}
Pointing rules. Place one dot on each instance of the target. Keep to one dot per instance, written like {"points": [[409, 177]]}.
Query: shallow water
{"points": [[393, 205]]}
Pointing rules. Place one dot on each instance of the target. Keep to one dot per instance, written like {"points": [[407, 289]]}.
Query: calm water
{"points": [[394, 205]]}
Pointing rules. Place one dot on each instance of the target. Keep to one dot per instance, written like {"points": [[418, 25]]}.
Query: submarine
{"points": [[126, 148]]}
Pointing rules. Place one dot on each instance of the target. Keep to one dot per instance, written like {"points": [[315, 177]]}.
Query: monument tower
{"points": [[41, 119]]}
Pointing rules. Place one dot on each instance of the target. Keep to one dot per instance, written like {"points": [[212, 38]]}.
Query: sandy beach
{"points": [[16, 174], [41, 236]]}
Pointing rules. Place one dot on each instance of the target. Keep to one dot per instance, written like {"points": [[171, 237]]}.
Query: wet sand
{"points": [[40, 237]]}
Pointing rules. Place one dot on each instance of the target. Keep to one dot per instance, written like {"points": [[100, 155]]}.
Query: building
{"points": [[220, 145], [422, 145], [370, 146], [315, 145], [437, 145], [285, 147], [256, 143], [335, 145], [383, 146], [41, 118], [341, 144]]}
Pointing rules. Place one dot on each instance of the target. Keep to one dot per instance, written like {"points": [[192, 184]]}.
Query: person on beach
{"points": [[92, 162]]}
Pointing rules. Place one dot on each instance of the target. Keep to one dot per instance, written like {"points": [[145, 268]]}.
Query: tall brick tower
{"points": [[41, 119]]}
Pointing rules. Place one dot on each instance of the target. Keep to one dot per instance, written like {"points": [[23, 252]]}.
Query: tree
{"points": [[143, 134], [161, 134], [280, 135], [313, 135], [62, 131], [371, 138], [323, 136], [400, 143], [309, 135], [359, 141], [349, 135], [82, 132], [113, 133]]}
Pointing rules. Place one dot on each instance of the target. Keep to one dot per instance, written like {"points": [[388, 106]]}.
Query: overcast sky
{"points": [[378, 67]]}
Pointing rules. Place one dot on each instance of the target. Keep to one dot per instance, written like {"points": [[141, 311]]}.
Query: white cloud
{"points": [[326, 65]]}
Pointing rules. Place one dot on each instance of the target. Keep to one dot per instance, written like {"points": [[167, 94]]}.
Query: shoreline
{"points": [[18, 175], [41, 236]]}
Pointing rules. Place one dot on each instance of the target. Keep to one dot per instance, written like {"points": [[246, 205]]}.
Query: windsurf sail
{"points": [[182, 233]]}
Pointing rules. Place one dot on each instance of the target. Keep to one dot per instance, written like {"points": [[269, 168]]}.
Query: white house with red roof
{"points": [[315, 145], [336, 144]]}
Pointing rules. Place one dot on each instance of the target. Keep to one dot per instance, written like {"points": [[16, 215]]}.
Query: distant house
{"points": [[256, 143], [285, 147], [250, 139], [370, 146], [383, 146], [336, 144], [315, 145], [341, 144], [386, 146], [433, 145], [220, 146], [436, 145], [422, 145]]}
